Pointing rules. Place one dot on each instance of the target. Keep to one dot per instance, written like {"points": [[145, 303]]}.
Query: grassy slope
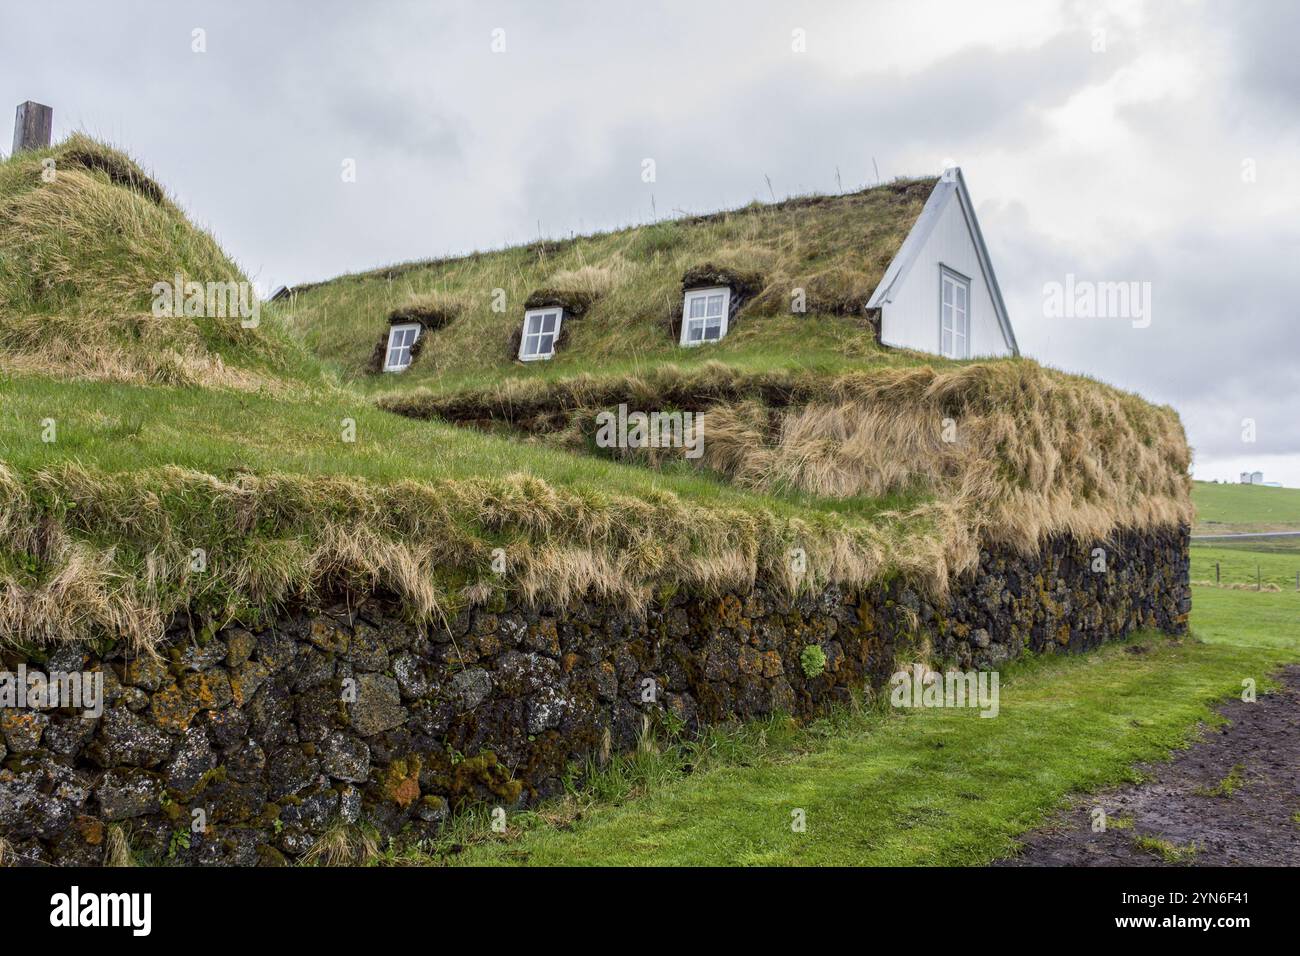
{"points": [[935, 787], [86, 235], [121, 428], [98, 525], [835, 248], [1223, 509]]}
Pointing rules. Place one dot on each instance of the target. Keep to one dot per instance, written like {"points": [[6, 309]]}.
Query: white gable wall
{"points": [[911, 318]]}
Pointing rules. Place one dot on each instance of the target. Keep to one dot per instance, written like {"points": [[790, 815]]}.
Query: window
{"points": [[541, 328], [704, 315], [400, 340], [954, 314]]}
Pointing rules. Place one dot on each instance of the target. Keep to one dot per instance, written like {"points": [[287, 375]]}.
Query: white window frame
{"points": [[954, 321], [403, 349], [536, 355], [703, 294]]}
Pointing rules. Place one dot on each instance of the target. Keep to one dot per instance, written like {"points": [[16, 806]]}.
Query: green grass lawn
{"points": [[928, 787], [1237, 564]]}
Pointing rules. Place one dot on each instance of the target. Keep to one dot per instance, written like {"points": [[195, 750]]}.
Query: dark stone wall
{"points": [[349, 712]]}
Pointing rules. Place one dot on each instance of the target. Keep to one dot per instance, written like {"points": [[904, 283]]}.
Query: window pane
{"points": [[947, 291], [945, 313], [715, 304], [946, 347], [544, 344], [697, 307], [694, 332], [961, 297], [548, 322]]}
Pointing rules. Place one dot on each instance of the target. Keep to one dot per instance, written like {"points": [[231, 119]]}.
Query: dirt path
{"points": [[1232, 798]]}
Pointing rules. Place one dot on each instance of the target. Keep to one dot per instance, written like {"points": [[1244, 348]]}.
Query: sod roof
{"points": [[129, 442], [622, 290]]}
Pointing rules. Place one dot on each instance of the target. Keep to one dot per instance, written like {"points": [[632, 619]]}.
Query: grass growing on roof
{"points": [[86, 234], [175, 434], [1015, 452], [833, 248], [98, 525]]}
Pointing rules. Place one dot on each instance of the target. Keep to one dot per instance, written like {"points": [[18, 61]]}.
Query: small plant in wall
{"points": [[813, 661]]}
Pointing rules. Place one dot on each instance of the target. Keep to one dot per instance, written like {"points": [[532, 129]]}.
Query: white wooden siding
{"points": [[911, 318]]}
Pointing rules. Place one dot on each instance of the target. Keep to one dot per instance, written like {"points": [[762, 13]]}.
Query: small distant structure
{"points": [[1254, 478], [33, 126], [284, 292]]}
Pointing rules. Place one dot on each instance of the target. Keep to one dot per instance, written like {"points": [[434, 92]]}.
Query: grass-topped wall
{"points": [[322, 731]]}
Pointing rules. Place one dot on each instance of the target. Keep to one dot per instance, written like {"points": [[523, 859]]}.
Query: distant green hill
{"points": [[1245, 507]]}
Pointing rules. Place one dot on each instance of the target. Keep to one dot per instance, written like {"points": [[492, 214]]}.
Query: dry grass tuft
{"points": [[593, 280], [82, 151], [135, 349], [117, 850], [342, 845], [1019, 452], [433, 310]]}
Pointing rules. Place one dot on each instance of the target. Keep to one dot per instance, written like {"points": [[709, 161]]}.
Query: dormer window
{"points": [[401, 338], [704, 315], [541, 328]]}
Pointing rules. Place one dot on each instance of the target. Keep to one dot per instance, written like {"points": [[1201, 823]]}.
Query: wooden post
{"points": [[1216, 572], [1258, 584], [32, 126]]}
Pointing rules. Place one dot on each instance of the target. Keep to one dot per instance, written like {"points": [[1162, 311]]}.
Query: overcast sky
{"points": [[1148, 142]]}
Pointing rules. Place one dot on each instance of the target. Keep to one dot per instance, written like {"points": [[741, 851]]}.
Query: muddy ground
{"points": [[1233, 798]]}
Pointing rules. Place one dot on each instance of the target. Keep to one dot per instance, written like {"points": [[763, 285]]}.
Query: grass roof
{"points": [[623, 290], [129, 442], [86, 235]]}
